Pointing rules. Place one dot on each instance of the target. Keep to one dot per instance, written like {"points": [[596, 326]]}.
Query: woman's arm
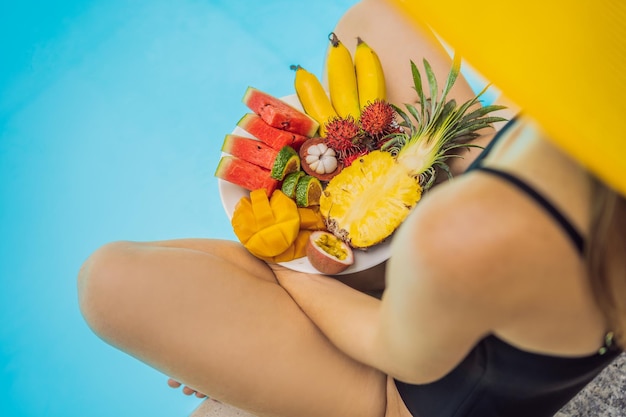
{"points": [[346, 316], [429, 316], [424, 325]]}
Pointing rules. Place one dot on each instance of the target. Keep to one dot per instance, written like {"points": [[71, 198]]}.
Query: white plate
{"points": [[230, 195]]}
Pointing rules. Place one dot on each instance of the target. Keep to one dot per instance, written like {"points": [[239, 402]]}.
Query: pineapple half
{"points": [[367, 201]]}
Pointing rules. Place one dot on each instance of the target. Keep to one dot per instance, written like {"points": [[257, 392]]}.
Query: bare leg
{"points": [[213, 317], [397, 41]]}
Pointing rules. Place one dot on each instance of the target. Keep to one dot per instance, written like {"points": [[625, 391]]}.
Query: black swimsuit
{"points": [[497, 379]]}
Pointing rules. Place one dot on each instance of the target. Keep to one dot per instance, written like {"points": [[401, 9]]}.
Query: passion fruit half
{"points": [[327, 253], [319, 160]]}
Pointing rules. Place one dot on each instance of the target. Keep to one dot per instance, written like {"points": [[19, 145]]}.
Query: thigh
{"points": [[397, 41], [212, 316]]}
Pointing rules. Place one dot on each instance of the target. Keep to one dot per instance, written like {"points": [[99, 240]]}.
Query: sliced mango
{"points": [[296, 250], [266, 227], [311, 218]]}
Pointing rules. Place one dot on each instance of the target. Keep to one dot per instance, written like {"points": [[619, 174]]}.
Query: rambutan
{"points": [[378, 119], [352, 154], [345, 136], [342, 134], [341, 130]]}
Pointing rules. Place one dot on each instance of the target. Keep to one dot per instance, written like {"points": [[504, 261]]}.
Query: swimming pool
{"points": [[111, 118], [112, 114]]}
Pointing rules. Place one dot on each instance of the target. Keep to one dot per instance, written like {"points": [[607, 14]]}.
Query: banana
{"points": [[313, 97], [369, 74], [342, 83]]}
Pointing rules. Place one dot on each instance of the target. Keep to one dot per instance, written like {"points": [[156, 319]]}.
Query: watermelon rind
{"points": [[279, 114], [245, 174], [250, 150], [271, 136]]}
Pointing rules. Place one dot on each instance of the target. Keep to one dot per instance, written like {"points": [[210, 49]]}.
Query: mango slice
{"points": [[311, 218], [296, 250], [266, 227]]}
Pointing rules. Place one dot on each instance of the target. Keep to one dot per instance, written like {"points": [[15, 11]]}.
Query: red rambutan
{"points": [[353, 154], [342, 134], [378, 119]]}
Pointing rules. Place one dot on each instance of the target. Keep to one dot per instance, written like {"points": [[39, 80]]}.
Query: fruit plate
{"points": [[230, 194]]}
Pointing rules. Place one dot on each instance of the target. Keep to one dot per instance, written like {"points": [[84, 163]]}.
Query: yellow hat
{"points": [[562, 61]]}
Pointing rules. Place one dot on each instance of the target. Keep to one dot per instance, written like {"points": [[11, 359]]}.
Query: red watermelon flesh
{"points": [[279, 114], [245, 174], [250, 150], [271, 136]]}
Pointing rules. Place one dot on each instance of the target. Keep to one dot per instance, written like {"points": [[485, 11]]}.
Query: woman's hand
{"points": [[371, 281], [346, 316]]}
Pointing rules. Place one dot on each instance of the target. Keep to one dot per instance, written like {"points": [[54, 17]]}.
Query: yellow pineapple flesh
{"points": [[368, 200]]}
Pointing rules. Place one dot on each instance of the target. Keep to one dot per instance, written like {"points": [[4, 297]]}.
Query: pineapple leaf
{"points": [[432, 85], [452, 76], [395, 142], [465, 138], [478, 124], [442, 127], [445, 168], [482, 111], [463, 108], [447, 113], [417, 84], [403, 115], [415, 128], [429, 177]]}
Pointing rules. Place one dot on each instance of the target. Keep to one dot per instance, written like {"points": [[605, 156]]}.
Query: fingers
{"points": [[186, 390], [172, 383]]}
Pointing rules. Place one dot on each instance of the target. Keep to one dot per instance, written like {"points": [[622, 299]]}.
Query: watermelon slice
{"points": [[276, 138], [250, 150], [279, 114], [245, 174]]}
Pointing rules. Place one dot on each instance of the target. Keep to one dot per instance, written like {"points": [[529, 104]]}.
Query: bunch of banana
{"points": [[313, 97], [351, 84], [369, 74], [342, 84]]}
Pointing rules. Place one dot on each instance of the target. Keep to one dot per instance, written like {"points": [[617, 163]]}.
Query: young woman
{"points": [[503, 291]]}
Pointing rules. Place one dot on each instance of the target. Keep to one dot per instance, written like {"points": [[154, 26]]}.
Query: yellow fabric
{"points": [[562, 61]]}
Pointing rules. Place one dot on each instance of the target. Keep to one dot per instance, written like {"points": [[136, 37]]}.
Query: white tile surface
{"points": [[210, 408]]}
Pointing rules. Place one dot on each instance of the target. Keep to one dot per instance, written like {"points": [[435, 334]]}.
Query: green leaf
{"points": [[482, 111], [415, 127], [432, 85], [452, 76], [417, 84], [402, 114]]}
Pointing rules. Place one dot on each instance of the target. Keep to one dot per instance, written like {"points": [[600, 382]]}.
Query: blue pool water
{"points": [[112, 114], [111, 118]]}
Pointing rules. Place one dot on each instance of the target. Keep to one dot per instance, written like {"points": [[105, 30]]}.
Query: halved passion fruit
{"points": [[327, 253], [319, 160]]}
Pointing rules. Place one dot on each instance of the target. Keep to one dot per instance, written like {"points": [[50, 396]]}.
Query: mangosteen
{"points": [[319, 160]]}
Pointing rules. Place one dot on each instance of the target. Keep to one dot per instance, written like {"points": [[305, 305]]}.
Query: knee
{"points": [[99, 284]]}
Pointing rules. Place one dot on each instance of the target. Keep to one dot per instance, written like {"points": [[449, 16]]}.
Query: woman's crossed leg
{"points": [[212, 316]]}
